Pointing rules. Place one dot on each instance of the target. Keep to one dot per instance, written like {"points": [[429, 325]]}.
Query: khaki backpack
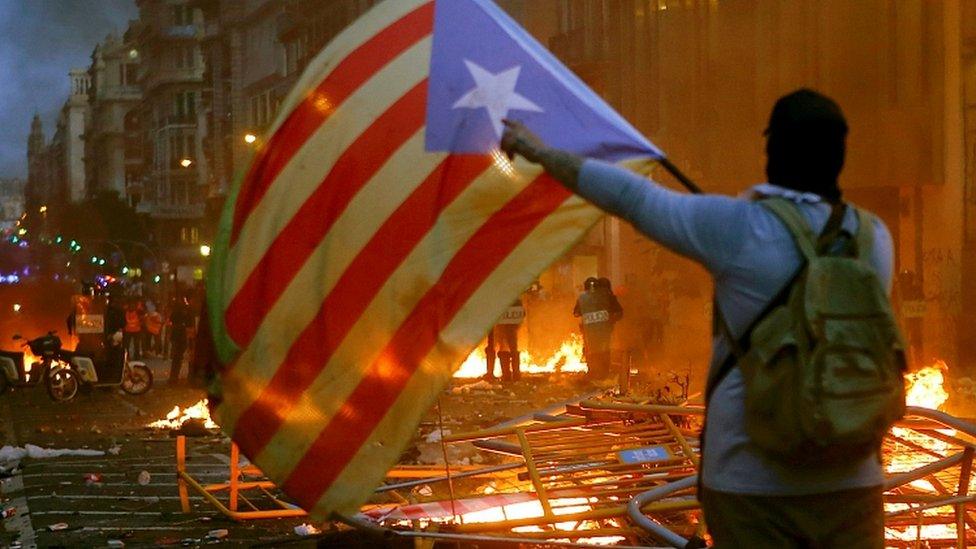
{"points": [[823, 368]]}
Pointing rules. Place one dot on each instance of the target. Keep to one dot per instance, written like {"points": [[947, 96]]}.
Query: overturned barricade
{"points": [[625, 473], [614, 472]]}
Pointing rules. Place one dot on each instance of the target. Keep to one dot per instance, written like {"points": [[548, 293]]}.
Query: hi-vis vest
{"points": [[132, 321]]}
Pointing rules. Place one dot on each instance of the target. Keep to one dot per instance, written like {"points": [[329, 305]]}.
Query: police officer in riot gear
{"points": [[598, 310], [506, 340]]}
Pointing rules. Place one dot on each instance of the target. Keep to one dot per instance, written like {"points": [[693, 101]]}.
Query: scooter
{"points": [[112, 368], [48, 367]]}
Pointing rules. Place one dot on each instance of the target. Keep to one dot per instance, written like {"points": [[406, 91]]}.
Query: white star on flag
{"points": [[495, 93]]}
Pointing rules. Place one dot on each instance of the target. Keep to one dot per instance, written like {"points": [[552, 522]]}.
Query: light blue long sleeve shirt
{"points": [[751, 256]]}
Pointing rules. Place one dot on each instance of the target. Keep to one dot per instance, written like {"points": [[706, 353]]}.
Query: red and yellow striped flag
{"points": [[378, 233]]}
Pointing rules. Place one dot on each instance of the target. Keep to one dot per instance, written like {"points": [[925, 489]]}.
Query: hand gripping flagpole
{"points": [[681, 177]]}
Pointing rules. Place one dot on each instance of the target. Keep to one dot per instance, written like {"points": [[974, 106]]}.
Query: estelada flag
{"points": [[379, 233]]}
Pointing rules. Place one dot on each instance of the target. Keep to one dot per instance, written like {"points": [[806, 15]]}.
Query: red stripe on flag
{"points": [[383, 382], [351, 73], [353, 292], [305, 231]]}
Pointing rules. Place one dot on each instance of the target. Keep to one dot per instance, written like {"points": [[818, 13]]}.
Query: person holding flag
{"points": [[750, 500], [379, 232]]}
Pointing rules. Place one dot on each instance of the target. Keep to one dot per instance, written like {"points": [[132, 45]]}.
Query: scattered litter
{"points": [[220, 533], [436, 435], [144, 478], [307, 530], [425, 490], [187, 542], [114, 450], [482, 385], [15, 453], [57, 526], [9, 512], [93, 478], [116, 543], [95, 429]]}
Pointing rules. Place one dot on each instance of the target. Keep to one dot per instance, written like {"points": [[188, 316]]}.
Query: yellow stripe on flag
{"points": [[391, 305], [303, 298], [398, 427], [306, 170]]}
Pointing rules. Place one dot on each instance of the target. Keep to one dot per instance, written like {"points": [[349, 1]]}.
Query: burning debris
{"points": [[569, 476], [568, 358], [181, 419]]}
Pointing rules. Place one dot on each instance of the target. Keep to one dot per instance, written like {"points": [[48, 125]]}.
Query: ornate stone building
{"points": [[172, 119], [113, 144]]}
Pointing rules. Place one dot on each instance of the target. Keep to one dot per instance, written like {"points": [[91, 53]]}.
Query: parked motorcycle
{"points": [[101, 360], [113, 368], [47, 367]]}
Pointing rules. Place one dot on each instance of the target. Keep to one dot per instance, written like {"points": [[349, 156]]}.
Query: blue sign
{"points": [[646, 454]]}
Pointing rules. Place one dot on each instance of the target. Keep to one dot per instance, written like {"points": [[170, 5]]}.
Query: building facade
{"points": [[56, 169], [167, 39], [255, 50], [700, 77], [11, 202], [113, 145]]}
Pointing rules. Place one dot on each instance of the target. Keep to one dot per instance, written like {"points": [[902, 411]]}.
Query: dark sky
{"points": [[40, 41]]}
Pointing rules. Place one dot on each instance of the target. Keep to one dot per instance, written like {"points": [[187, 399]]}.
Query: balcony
{"points": [[156, 78], [118, 93]]}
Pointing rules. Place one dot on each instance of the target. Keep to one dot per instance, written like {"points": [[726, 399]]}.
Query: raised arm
{"points": [[706, 228]]}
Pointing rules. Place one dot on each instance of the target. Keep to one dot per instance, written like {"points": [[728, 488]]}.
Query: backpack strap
{"points": [[794, 221], [865, 235]]}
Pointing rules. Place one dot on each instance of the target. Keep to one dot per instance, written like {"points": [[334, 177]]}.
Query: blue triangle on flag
{"points": [[485, 67]]}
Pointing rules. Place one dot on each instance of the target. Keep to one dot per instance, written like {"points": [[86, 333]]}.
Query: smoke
{"points": [[40, 41]]}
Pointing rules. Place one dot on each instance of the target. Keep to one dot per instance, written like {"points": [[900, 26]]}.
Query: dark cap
{"points": [[806, 110]]}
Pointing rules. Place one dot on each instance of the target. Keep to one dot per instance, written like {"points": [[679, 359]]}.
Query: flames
{"points": [[29, 360], [925, 387], [567, 358], [177, 417]]}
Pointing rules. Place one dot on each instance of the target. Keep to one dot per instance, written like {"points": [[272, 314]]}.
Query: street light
{"points": [[43, 209], [205, 250], [186, 162], [250, 138]]}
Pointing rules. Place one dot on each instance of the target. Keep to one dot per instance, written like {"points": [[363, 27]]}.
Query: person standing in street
{"points": [[750, 498], [506, 341], [180, 322], [598, 310], [132, 335], [154, 327]]}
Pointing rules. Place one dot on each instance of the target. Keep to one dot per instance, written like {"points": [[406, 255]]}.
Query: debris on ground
{"points": [[306, 529], [14, 453], [220, 533]]}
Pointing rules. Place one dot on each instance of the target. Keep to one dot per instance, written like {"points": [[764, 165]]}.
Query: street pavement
{"points": [[53, 492]]}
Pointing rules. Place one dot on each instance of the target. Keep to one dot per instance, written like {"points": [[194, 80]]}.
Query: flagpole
{"points": [[681, 177]]}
